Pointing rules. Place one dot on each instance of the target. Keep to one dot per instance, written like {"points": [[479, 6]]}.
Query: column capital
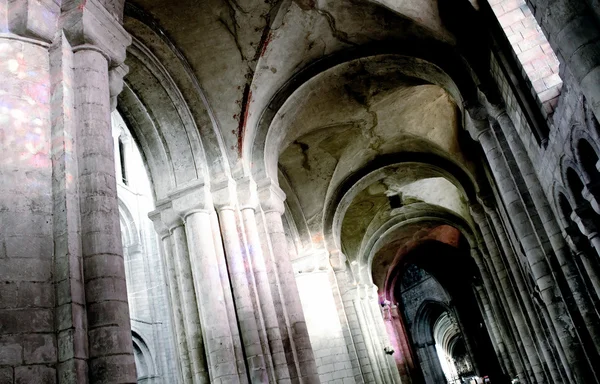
{"points": [[30, 19], [583, 217], [271, 197], [224, 194], [495, 111], [574, 238], [88, 25], [165, 218], [190, 198], [247, 193], [487, 202], [337, 260], [477, 121], [477, 211], [115, 83], [589, 192]]}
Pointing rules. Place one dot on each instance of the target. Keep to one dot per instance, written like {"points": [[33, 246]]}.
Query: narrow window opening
{"points": [[536, 58], [122, 159]]}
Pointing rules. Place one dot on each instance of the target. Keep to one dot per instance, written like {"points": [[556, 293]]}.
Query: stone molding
{"points": [[88, 25]]}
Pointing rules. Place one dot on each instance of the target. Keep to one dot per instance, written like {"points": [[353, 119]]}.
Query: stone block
{"points": [[39, 349], [39, 374], [35, 295], [38, 320], [8, 295], [113, 369], [6, 375], [29, 246], [25, 270], [11, 350], [108, 312], [105, 288], [109, 341]]}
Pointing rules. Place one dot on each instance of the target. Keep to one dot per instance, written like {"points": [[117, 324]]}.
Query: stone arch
{"points": [[448, 72], [428, 312], [563, 204], [144, 360], [176, 132], [422, 212], [437, 166], [129, 229]]}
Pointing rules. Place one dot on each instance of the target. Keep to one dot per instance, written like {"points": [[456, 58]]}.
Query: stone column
{"points": [[490, 322], [392, 373], [271, 198], [240, 268], [430, 363], [550, 225], [511, 301], [523, 372], [183, 361], [578, 244], [39, 245], [540, 269], [191, 324], [248, 201], [368, 334], [513, 264], [99, 43], [194, 204], [349, 295]]}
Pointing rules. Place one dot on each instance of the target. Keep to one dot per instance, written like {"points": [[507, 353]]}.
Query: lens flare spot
{"points": [[13, 65]]}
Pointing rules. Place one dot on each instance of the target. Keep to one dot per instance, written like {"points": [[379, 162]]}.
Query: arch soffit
{"points": [[427, 313], [345, 193], [146, 353], [434, 62], [558, 190], [415, 213], [566, 164], [579, 134], [177, 131], [129, 230]]}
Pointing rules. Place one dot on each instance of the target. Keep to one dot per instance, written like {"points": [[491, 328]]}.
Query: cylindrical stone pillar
{"points": [[540, 269], [109, 331], [291, 299], [214, 318], [523, 372], [264, 292], [513, 264], [514, 310], [237, 262], [176, 310], [191, 319], [576, 356]]}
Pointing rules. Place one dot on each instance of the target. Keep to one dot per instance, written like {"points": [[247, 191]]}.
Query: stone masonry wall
{"points": [[537, 59]]}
